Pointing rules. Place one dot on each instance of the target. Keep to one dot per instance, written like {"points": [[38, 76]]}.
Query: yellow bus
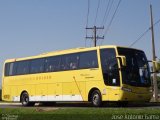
{"points": [[96, 74]]}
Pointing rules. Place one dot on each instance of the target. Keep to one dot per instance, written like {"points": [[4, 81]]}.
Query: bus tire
{"points": [[25, 100], [96, 98]]}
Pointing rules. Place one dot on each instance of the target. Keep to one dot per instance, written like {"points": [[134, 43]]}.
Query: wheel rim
{"points": [[25, 99], [95, 99]]}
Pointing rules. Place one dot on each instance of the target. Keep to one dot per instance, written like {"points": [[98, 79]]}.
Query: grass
{"points": [[79, 113]]}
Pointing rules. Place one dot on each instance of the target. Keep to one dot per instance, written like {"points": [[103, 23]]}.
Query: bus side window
{"points": [[7, 65], [22, 67], [10, 69], [37, 66], [52, 64], [63, 65], [70, 61], [88, 60]]}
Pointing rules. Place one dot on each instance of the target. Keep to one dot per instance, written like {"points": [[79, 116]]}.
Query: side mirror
{"points": [[123, 60], [157, 65]]}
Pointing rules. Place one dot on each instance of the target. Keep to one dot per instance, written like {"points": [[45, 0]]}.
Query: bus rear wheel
{"points": [[25, 100], [96, 98]]}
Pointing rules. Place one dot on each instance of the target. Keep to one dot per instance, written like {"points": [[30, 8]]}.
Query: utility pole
{"points": [[95, 37], [155, 87]]}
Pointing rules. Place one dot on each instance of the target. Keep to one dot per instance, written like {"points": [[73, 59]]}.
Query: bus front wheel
{"points": [[25, 100], [96, 98]]}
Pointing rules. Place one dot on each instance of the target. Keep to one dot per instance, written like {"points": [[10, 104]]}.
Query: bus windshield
{"points": [[136, 73]]}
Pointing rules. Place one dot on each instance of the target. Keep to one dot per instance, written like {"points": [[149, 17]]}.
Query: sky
{"points": [[31, 27]]}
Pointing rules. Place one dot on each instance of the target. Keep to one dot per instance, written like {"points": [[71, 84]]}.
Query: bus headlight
{"points": [[126, 89]]}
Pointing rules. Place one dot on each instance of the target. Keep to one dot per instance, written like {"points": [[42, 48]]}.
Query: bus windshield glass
{"points": [[110, 67], [136, 73]]}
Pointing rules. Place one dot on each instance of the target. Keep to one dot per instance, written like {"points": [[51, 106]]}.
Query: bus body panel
{"points": [[54, 86], [71, 85]]}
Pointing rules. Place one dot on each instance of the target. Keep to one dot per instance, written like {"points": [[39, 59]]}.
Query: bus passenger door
{"points": [[110, 72]]}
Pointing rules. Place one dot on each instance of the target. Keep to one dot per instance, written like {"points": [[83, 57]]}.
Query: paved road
{"points": [[79, 105]]}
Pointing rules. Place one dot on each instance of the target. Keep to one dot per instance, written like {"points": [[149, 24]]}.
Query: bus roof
{"points": [[61, 52]]}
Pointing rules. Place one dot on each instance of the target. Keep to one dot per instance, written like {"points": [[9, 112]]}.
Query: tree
{"points": [[158, 77], [158, 83], [159, 66]]}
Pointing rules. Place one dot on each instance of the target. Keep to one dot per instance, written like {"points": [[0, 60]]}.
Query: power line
{"points": [[95, 37], [112, 19], [140, 37], [107, 12], [144, 33], [156, 22], [97, 12], [88, 12], [87, 20]]}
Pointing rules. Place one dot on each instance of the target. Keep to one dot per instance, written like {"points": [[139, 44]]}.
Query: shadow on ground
{"points": [[106, 104]]}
